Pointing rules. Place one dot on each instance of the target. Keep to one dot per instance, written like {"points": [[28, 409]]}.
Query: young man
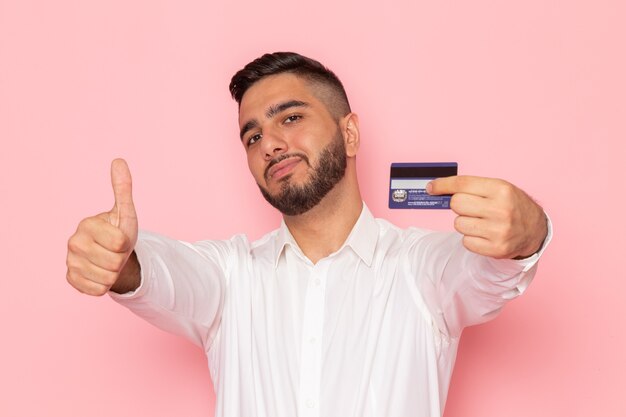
{"points": [[335, 313]]}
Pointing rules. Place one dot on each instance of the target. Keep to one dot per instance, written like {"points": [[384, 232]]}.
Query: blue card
{"points": [[407, 184]]}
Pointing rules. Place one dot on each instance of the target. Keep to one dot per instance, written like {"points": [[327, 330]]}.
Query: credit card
{"points": [[407, 184]]}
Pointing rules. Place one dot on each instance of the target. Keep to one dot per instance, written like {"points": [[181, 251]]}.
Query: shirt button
{"points": [[312, 340], [318, 282], [310, 403]]}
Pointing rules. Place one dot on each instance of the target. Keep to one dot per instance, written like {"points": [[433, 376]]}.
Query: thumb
{"points": [[123, 214]]}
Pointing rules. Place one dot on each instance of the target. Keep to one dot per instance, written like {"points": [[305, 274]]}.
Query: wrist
{"points": [[536, 247], [130, 276]]}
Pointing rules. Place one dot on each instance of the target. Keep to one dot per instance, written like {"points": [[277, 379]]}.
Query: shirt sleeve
{"points": [[182, 286], [461, 288]]}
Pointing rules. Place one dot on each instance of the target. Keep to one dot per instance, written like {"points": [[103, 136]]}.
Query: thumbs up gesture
{"points": [[98, 253]]}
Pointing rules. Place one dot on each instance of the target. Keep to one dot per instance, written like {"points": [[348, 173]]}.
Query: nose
{"points": [[272, 145]]}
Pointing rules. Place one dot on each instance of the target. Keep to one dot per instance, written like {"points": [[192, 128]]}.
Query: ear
{"points": [[349, 126]]}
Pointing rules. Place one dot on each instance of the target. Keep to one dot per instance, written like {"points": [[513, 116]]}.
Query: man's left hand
{"points": [[496, 218]]}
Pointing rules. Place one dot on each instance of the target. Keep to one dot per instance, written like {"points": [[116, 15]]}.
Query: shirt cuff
{"points": [[144, 258]]}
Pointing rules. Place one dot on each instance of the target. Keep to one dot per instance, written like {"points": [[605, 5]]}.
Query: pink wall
{"points": [[530, 91]]}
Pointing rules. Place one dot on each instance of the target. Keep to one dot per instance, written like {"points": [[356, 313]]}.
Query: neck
{"points": [[323, 229]]}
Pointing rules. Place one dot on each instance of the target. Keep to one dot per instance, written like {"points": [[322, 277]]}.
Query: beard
{"points": [[293, 199]]}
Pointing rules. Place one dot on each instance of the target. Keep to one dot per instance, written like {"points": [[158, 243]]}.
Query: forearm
{"points": [[179, 286], [130, 276], [477, 287], [462, 288]]}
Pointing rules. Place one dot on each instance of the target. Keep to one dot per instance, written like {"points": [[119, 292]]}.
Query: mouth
{"points": [[278, 170]]}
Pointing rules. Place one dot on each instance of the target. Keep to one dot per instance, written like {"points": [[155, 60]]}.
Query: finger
{"points": [[488, 229], [106, 259], [478, 245], [471, 226], [99, 230], [82, 268], [122, 190], [487, 247], [467, 184], [471, 205], [111, 238], [86, 286]]}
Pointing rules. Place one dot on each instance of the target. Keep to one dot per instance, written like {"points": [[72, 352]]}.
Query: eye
{"points": [[293, 118], [253, 139]]}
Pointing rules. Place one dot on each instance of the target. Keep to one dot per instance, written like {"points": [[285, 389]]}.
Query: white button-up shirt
{"points": [[371, 330]]}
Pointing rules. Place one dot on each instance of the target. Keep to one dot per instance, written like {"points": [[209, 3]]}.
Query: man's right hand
{"points": [[99, 253]]}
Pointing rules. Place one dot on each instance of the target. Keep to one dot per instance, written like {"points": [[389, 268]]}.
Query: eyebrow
{"points": [[270, 113]]}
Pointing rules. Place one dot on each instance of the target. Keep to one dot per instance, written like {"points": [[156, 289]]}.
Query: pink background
{"points": [[533, 92]]}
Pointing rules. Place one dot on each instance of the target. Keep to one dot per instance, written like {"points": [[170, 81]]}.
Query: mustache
{"points": [[282, 157]]}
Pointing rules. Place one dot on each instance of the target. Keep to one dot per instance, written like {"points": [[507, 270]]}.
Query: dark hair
{"points": [[293, 63]]}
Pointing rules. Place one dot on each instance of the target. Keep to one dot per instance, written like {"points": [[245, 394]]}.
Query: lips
{"points": [[282, 168]]}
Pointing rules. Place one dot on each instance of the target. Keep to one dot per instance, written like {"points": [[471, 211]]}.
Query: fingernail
{"points": [[429, 187]]}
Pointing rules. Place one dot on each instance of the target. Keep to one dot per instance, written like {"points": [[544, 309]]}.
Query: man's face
{"points": [[294, 146]]}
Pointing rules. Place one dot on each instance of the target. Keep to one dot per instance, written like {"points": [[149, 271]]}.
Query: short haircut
{"points": [[326, 85]]}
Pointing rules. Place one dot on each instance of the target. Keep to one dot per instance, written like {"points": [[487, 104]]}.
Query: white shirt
{"points": [[371, 330]]}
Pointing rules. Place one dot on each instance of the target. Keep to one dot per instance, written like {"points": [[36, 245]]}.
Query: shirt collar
{"points": [[362, 239]]}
